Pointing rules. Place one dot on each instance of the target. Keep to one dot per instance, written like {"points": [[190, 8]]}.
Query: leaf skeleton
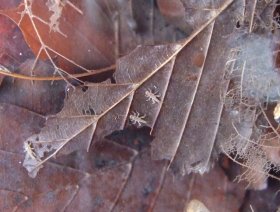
{"points": [[29, 150]]}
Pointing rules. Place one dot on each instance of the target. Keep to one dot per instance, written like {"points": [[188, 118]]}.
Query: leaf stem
{"points": [[56, 78]]}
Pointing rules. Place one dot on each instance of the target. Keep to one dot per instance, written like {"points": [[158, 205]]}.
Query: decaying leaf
{"points": [[247, 128], [62, 186], [82, 109], [144, 184], [167, 109], [40, 97], [216, 195], [189, 14], [191, 150], [180, 91], [10, 200], [66, 32]]}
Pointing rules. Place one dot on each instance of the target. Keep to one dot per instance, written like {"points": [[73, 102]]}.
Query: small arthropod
{"points": [[276, 113], [135, 118], [29, 150], [152, 96]]}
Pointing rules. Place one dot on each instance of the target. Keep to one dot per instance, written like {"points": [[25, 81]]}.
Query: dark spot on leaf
{"points": [[84, 88], [91, 111], [101, 162], [147, 191], [198, 59], [98, 201], [191, 77], [136, 138], [195, 164], [113, 80], [238, 25]]}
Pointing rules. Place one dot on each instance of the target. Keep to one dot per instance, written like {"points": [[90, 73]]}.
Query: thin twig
{"points": [[55, 78]]}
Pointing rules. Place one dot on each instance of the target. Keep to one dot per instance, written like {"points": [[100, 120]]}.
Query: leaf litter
{"points": [[132, 71], [135, 72]]}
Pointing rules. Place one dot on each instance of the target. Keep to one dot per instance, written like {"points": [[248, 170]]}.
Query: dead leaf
{"points": [[14, 128], [83, 109], [241, 134], [43, 97], [94, 195], [10, 200], [174, 12], [216, 195], [104, 154], [144, 184], [187, 145], [63, 186], [13, 49], [112, 176], [188, 15], [51, 27]]}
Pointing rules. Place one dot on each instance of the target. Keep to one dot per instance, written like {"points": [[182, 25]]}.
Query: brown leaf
{"points": [[174, 12], [241, 135], [10, 200], [57, 200], [83, 109], [152, 187], [13, 49], [176, 98], [61, 187], [51, 27], [188, 15], [257, 200], [19, 181], [44, 97], [14, 128], [180, 88], [212, 189], [100, 191], [144, 184], [104, 154], [197, 141]]}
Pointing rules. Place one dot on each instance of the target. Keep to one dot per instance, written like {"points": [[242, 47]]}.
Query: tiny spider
{"points": [[29, 150], [135, 118], [152, 96]]}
